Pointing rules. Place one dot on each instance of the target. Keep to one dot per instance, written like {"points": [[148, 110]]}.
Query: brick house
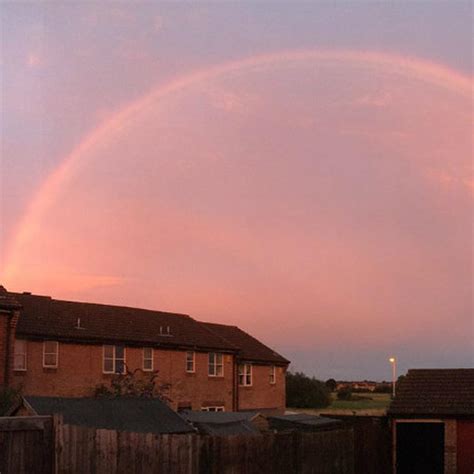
{"points": [[433, 422], [60, 348]]}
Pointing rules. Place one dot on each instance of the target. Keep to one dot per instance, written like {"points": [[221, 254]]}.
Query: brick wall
{"points": [[262, 394], [450, 447], [465, 446], [80, 371]]}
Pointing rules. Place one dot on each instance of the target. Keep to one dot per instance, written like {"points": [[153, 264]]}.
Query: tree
{"points": [[136, 384], [331, 384], [306, 392], [399, 381]]}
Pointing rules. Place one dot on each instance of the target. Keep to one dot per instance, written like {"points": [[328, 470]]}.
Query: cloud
{"points": [[230, 101], [158, 23], [382, 99], [33, 60]]}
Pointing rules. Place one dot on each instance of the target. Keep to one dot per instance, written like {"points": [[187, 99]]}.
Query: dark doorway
{"points": [[420, 448]]}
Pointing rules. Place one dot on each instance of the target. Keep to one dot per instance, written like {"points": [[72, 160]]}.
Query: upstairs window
{"points": [[213, 408], [216, 364], [50, 354], [190, 358], [147, 359], [272, 374], [114, 360], [245, 375], [19, 355]]}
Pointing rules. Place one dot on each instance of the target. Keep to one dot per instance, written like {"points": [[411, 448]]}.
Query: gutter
{"points": [[130, 343]]}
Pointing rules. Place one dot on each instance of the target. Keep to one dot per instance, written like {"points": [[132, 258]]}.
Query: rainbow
{"points": [[415, 68]]}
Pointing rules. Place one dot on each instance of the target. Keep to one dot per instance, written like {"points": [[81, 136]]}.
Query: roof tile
{"points": [[435, 392]]}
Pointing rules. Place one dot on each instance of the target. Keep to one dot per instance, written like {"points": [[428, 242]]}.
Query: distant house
{"points": [[125, 414], [433, 422], [55, 348]]}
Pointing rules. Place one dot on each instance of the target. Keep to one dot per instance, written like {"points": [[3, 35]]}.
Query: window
{"points": [[245, 375], [190, 356], [148, 359], [272, 374], [19, 357], [220, 408], [50, 354], [114, 360], [216, 364]]}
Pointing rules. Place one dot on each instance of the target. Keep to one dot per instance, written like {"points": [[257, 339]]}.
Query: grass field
{"points": [[376, 406]]}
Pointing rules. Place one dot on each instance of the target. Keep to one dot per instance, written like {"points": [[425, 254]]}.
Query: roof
{"points": [[221, 423], [302, 421], [443, 392], [217, 416], [45, 317], [250, 348], [124, 414], [7, 300]]}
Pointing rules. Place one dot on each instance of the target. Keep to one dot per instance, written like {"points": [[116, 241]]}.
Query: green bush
{"points": [[345, 393], [383, 387], [8, 397], [306, 392]]}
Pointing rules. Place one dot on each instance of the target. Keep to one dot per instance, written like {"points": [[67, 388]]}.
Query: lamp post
{"points": [[393, 361]]}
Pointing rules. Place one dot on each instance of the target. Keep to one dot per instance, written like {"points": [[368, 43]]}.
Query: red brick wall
{"points": [[465, 446], [80, 370], [263, 394]]}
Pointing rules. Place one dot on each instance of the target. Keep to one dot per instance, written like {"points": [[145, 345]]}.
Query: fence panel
{"points": [[26, 445]]}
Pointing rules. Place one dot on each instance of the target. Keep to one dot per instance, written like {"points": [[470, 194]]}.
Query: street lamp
{"points": [[393, 361]]}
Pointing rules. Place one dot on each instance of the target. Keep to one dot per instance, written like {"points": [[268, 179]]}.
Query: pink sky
{"points": [[322, 201]]}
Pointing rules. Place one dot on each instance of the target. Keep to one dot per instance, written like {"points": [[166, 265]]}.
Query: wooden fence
{"points": [[29, 445], [26, 445], [87, 450], [372, 443]]}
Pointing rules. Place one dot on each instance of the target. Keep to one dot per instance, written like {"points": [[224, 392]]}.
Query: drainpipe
{"points": [[7, 349], [236, 384]]}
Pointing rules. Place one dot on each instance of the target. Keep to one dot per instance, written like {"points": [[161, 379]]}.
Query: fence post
{"points": [[58, 442], [296, 440]]}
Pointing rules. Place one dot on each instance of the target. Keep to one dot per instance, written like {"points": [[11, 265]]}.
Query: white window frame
{"points": [[114, 359], [213, 408], [273, 375], [18, 353], [150, 369], [55, 353], [245, 375], [192, 361], [212, 367]]}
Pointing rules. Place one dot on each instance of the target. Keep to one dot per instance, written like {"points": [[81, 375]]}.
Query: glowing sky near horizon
{"points": [[323, 204]]}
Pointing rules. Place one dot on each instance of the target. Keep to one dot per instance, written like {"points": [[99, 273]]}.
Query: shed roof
{"points": [[221, 423], [124, 414], [443, 392], [302, 421]]}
